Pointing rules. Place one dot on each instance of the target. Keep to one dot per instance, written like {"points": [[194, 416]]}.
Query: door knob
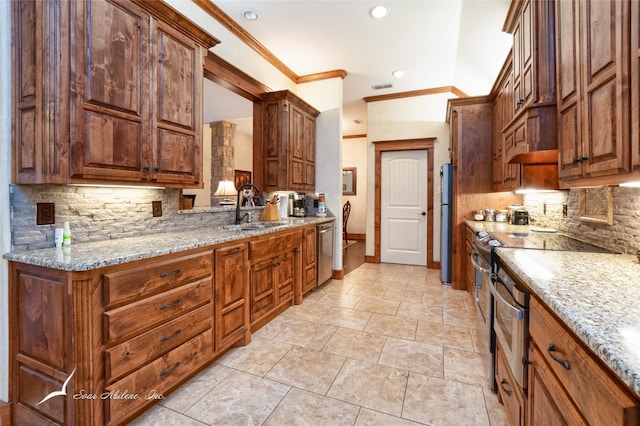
{"points": [[423, 213]]}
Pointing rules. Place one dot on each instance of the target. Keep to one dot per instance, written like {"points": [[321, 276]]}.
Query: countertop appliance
{"points": [[298, 206], [519, 217], [324, 250], [446, 221]]}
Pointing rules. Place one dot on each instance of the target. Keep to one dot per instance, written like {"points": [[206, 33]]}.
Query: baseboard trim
{"points": [[356, 237], [337, 274], [371, 259], [5, 413]]}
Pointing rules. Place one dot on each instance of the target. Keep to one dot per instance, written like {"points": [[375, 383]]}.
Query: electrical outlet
{"points": [[565, 210], [45, 214], [156, 207]]}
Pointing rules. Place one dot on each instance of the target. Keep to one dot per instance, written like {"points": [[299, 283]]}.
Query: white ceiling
{"points": [[435, 42]]}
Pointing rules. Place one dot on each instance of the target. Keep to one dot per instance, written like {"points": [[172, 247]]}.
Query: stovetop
{"points": [[545, 241]]}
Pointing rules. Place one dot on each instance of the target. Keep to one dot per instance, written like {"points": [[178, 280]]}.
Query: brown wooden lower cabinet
{"points": [[567, 384], [509, 392], [125, 336]]}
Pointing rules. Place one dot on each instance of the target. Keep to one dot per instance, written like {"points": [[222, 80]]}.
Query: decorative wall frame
{"points": [[596, 205], [241, 177], [349, 181]]}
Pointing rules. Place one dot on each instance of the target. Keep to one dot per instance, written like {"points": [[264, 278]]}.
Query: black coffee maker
{"points": [[298, 205]]}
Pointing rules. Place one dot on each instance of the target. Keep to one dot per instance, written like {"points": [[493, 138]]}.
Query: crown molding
{"points": [[412, 93]]}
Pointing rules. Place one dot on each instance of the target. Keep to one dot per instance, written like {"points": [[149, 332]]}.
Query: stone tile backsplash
{"points": [[98, 213], [623, 236]]}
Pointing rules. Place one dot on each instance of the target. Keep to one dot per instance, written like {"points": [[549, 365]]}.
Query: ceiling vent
{"points": [[382, 86], [358, 121]]}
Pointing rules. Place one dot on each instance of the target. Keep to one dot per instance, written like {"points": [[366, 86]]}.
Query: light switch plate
{"points": [[156, 207]]}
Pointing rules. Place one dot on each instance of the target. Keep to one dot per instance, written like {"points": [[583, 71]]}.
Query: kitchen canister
{"points": [[502, 216], [490, 215]]}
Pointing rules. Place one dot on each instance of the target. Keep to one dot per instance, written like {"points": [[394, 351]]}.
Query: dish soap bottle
{"points": [[66, 235]]}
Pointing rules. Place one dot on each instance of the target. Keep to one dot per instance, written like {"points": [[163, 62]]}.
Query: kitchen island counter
{"points": [[596, 295], [93, 255]]}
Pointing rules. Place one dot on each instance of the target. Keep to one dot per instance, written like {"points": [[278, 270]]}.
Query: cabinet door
{"points": [[568, 88], [263, 295], [310, 152], [526, 56], [231, 294], [177, 62], [635, 84], [605, 112], [548, 403], [110, 97], [273, 145], [284, 276], [309, 259], [296, 148]]}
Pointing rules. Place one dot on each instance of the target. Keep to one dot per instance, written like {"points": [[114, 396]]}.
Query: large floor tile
{"points": [[370, 385], [308, 311], [341, 300], [308, 334], [257, 358], [413, 356], [347, 318], [375, 418], [441, 402], [444, 335], [240, 399], [377, 305], [307, 369], [431, 312], [304, 408], [185, 396], [467, 367], [356, 345], [159, 415], [403, 328]]}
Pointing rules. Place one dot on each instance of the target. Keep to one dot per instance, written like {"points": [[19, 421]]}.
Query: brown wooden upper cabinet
{"points": [[289, 142], [594, 73], [113, 95], [529, 92]]}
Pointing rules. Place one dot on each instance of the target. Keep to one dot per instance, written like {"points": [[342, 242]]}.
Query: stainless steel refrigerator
{"points": [[446, 221]]}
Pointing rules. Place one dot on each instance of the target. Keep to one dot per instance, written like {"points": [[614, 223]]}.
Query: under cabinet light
{"points": [[633, 184]]}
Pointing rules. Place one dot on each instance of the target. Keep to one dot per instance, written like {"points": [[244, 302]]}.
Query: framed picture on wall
{"points": [[349, 182], [240, 177]]}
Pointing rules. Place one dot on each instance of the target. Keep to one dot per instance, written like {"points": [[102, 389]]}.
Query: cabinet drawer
{"points": [[142, 315], [509, 390], [135, 352], [598, 396], [136, 282], [157, 378], [274, 245]]}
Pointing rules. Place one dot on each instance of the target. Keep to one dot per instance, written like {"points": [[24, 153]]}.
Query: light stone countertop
{"points": [[94, 255], [596, 295], [478, 225]]}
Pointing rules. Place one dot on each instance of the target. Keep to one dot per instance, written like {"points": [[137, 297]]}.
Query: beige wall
{"points": [[408, 118], [354, 154]]}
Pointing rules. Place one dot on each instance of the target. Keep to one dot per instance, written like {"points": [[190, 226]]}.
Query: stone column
{"points": [[223, 135]]}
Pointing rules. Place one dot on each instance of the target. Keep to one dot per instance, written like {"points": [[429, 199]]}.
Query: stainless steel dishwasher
{"points": [[326, 235]]}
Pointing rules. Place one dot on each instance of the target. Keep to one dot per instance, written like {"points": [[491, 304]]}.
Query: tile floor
{"points": [[388, 345]]}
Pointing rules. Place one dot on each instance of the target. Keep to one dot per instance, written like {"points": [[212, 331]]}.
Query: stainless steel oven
{"points": [[511, 321], [481, 259]]}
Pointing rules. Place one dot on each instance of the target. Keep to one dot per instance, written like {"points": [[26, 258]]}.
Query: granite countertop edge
{"points": [[87, 256], [593, 294]]}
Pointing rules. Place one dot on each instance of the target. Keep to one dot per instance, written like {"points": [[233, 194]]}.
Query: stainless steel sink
{"points": [[255, 226]]}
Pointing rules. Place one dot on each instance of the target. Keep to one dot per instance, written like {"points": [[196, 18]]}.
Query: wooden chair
{"points": [[346, 210]]}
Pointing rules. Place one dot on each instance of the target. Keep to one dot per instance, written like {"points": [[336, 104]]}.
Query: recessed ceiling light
{"points": [[398, 73], [379, 12], [250, 14]]}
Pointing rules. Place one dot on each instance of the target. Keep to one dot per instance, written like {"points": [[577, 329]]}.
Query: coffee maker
{"points": [[298, 206]]}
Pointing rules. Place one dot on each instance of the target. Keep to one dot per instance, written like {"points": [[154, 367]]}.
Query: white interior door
{"points": [[403, 233]]}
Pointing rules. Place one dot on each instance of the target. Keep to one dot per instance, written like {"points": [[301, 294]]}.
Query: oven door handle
{"points": [[514, 311], [476, 265]]}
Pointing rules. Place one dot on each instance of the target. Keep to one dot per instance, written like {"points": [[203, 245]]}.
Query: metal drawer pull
{"points": [[562, 362], [507, 391], [169, 305], [171, 336], [166, 372], [476, 265], [166, 274], [233, 250]]}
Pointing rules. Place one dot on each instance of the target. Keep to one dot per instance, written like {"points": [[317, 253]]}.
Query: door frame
{"points": [[426, 144]]}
